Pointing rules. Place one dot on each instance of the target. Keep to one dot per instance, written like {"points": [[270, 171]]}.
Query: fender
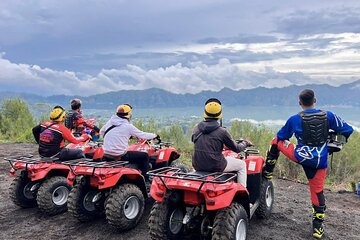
{"points": [[225, 197], [157, 190], [165, 153], [70, 178], [104, 181], [43, 173], [254, 164], [215, 196]]}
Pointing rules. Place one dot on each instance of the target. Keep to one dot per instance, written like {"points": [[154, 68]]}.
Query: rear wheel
{"points": [[166, 220], [84, 203], [266, 200], [53, 194], [230, 223], [23, 191], [125, 206]]}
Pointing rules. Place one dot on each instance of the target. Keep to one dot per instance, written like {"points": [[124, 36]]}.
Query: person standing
{"points": [[311, 127]]}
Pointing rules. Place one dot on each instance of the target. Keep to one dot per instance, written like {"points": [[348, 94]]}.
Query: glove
{"points": [[86, 136], [158, 138], [96, 129], [87, 131], [248, 143]]}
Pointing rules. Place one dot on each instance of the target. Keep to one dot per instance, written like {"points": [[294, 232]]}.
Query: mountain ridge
{"points": [[346, 94]]}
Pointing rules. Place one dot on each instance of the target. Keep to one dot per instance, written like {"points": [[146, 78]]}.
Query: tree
{"points": [[16, 121]]}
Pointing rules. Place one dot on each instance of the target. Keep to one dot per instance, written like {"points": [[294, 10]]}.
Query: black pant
{"points": [[141, 159], [70, 154]]}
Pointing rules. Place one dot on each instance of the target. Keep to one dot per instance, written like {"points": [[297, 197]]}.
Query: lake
{"points": [[269, 116]]}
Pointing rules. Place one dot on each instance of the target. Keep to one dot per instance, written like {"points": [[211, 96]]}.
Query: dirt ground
{"points": [[291, 218]]}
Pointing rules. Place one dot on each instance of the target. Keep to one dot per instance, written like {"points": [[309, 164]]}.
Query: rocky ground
{"points": [[291, 218]]}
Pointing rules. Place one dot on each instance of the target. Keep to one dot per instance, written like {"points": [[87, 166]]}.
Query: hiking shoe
{"points": [[318, 232]]}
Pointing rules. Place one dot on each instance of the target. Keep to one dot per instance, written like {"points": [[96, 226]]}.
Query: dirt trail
{"points": [[291, 217]]}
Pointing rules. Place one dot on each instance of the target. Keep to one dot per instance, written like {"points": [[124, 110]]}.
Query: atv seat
{"points": [[132, 165], [198, 174]]}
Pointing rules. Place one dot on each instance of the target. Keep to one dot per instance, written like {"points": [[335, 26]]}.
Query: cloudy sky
{"points": [[87, 47]]}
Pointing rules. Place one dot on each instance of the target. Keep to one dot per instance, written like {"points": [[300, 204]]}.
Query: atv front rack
{"points": [[86, 162], [29, 159], [176, 173]]}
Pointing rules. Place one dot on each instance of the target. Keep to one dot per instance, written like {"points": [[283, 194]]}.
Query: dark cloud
{"points": [[305, 22], [240, 39]]}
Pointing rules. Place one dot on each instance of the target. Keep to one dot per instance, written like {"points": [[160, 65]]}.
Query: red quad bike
{"points": [[116, 187], [42, 181], [213, 203]]}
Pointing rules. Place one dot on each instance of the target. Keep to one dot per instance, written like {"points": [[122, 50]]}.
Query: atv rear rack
{"points": [[176, 173], [87, 162], [28, 159]]}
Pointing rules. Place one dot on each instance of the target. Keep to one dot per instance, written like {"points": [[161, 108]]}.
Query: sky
{"points": [[86, 47]]}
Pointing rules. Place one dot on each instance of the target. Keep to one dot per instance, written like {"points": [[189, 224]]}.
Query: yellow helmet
{"points": [[57, 114], [213, 109], [124, 111]]}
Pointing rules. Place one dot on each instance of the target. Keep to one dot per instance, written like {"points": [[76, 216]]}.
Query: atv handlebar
{"points": [[251, 151]]}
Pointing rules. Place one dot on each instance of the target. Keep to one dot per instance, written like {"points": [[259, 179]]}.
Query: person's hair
{"points": [[75, 104], [307, 97]]}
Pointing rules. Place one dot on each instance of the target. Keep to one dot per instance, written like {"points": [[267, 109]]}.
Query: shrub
{"points": [[16, 121]]}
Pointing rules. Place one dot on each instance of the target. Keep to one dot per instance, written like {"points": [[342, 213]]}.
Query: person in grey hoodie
{"points": [[116, 134], [209, 139]]}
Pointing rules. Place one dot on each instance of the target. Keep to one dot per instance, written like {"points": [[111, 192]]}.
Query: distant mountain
{"points": [[347, 94]]}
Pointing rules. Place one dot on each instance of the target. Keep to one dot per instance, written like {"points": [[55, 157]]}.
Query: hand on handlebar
{"points": [[248, 143], [158, 138]]}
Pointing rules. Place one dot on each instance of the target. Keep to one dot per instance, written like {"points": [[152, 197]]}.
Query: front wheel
{"points": [[125, 206], [23, 192], [266, 200], [85, 203], [230, 223], [53, 194], [166, 220]]}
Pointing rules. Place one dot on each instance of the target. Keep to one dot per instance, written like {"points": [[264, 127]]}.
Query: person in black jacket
{"points": [[209, 139], [51, 136]]}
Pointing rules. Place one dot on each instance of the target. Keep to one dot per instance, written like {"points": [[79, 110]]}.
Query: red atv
{"points": [[213, 203], [42, 181], [115, 187]]}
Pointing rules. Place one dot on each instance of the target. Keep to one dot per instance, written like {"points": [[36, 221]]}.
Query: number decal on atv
{"points": [[252, 166]]}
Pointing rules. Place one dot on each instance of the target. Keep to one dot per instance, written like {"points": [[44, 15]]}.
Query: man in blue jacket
{"points": [[311, 127]]}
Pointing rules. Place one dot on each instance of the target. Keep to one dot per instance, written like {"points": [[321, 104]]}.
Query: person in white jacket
{"points": [[116, 134]]}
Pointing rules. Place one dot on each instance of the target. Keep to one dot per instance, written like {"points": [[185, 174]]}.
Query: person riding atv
{"points": [[51, 137], [311, 128], [75, 120], [209, 139], [116, 134]]}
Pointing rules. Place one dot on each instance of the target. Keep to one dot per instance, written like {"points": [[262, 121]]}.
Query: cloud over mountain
{"points": [[184, 47]]}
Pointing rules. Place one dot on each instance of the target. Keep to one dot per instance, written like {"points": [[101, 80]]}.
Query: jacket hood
{"points": [[208, 126], [115, 120]]}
